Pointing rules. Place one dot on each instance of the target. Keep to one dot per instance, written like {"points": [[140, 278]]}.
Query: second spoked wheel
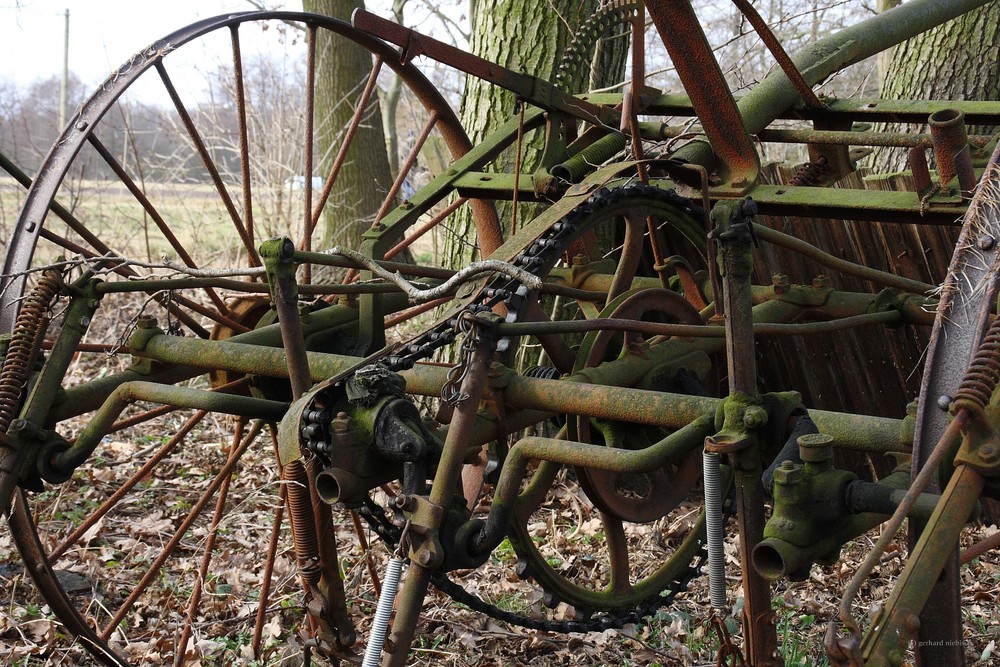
{"points": [[650, 527]]}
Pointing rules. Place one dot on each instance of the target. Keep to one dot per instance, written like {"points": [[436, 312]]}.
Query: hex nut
{"points": [[754, 416], [789, 472]]}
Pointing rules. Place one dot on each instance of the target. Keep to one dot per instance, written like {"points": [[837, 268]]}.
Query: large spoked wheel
{"points": [[658, 512], [166, 491]]}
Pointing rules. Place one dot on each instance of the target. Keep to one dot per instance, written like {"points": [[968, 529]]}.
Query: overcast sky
{"points": [[103, 33]]}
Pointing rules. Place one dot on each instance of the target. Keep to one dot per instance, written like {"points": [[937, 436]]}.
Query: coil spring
{"points": [[984, 371], [810, 173], [303, 524], [25, 345], [584, 41]]}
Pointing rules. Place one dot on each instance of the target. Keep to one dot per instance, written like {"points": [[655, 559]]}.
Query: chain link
{"points": [[451, 392], [536, 257], [390, 534]]}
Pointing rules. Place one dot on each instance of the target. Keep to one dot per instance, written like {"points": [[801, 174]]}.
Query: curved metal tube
{"points": [[181, 397], [566, 452]]}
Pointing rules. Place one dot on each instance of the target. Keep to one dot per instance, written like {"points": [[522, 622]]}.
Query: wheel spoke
{"points": [[128, 485], [338, 162], [406, 167], [272, 553], [128, 272], [153, 213], [241, 123], [206, 158], [185, 525], [425, 227], [206, 559], [307, 149], [398, 318]]}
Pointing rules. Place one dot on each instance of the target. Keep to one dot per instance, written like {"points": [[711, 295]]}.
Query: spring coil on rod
{"points": [[810, 173], [984, 371], [25, 345], [302, 519]]}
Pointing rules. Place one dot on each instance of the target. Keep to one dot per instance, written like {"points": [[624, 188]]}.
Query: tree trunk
{"points": [[956, 61], [526, 36], [342, 68]]}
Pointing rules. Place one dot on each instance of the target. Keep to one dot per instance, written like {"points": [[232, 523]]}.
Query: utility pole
{"points": [[64, 88]]}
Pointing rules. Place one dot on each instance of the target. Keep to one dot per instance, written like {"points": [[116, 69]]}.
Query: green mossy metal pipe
{"points": [[89, 396], [181, 397], [580, 454], [776, 94], [577, 395]]}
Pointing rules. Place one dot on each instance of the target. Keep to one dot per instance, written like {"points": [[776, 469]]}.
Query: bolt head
{"points": [[780, 283], [425, 558], [944, 402], [986, 242], [754, 416], [988, 453], [788, 474]]}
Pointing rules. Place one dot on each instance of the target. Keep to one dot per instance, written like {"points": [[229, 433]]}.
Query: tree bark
{"points": [[956, 61], [526, 36], [342, 68]]}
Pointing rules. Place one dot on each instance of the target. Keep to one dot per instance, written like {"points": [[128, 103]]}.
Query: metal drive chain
{"points": [[390, 534], [581, 49], [539, 255]]}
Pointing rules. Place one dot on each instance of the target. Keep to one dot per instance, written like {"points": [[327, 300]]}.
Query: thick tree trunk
{"points": [[530, 37], [342, 68], [957, 61]]}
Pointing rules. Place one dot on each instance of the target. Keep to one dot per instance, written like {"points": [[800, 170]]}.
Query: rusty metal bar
{"points": [[206, 158], [349, 132], [404, 169], [241, 126], [537, 91], [154, 568], [424, 228], [277, 255], [127, 486], [784, 61], [704, 82], [446, 484], [851, 138], [153, 213], [307, 148], [576, 395], [775, 94], [734, 231]]}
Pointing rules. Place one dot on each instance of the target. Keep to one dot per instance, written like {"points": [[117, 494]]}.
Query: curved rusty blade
{"points": [[963, 314]]}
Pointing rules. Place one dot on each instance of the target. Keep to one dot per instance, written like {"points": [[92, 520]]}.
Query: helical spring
{"points": [[303, 524], [25, 345], [984, 371], [810, 173]]}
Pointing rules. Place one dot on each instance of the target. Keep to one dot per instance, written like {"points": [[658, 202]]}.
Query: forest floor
{"points": [[451, 634]]}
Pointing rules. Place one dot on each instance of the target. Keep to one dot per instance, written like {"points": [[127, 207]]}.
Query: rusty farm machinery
{"points": [[719, 338]]}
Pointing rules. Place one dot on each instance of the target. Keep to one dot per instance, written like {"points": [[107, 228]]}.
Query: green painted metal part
{"points": [[809, 521]]}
